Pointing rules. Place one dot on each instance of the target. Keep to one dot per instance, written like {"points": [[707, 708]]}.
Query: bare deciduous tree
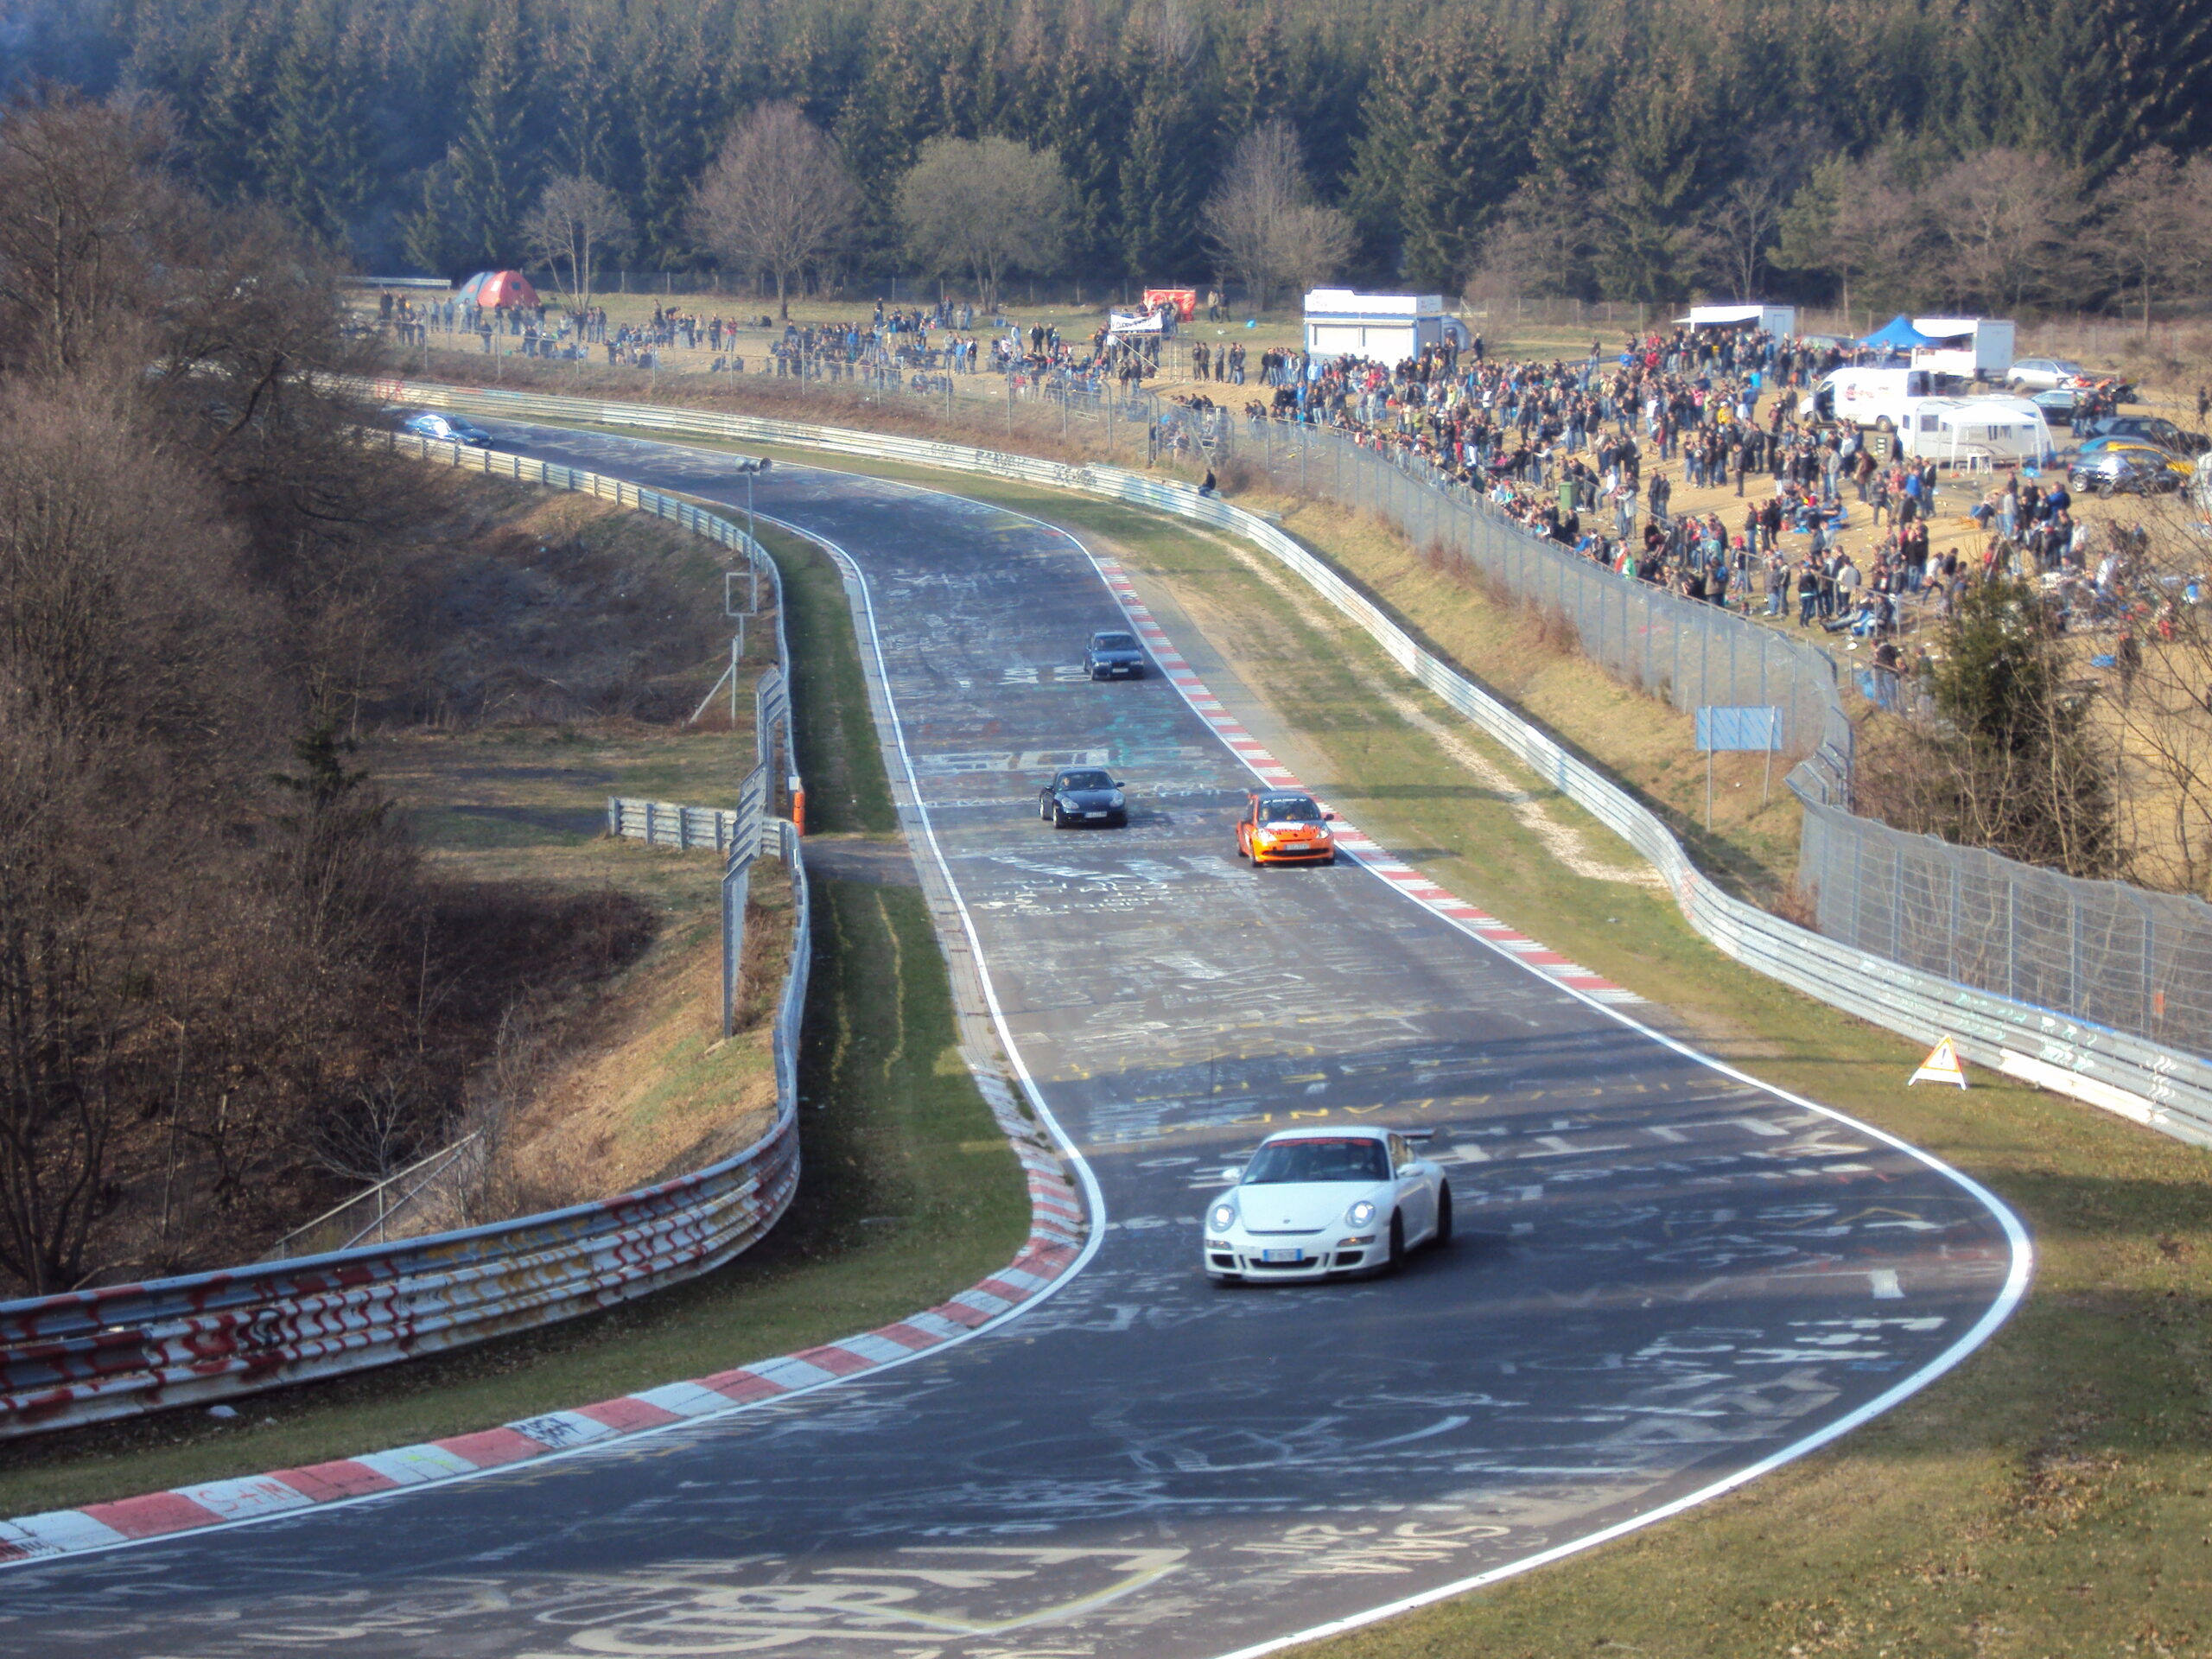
{"points": [[777, 198], [2003, 218], [1737, 233], [82, 202], [1263, 222], [2157, 221], [575, 220], [985, 206]]}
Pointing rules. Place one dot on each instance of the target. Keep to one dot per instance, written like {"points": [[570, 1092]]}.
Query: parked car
{"points": [[2149, 428], [2059, 403], [2043, 374], [2124, 472], [446, 429]]}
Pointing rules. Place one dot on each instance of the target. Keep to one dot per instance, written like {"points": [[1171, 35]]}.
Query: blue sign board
{"points": [[1755, 728]]}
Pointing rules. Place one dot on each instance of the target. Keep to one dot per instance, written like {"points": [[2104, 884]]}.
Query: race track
{"points": [[1665, 1275]]}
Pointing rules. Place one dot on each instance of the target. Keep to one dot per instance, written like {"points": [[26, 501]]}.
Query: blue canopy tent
{"points": [[1898, 334]]}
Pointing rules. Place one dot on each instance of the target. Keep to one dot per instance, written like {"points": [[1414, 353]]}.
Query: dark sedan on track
{"points": [[446, 429], [1083, 795], [1114, 654]]}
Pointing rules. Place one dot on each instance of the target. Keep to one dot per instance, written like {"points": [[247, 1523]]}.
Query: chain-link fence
{"points": [[2102, 952], [1680, 651]]}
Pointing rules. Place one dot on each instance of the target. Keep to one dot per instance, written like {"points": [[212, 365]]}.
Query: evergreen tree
{"points": [[1086, 114], [1166, 167], [495, 161], [668, 98], [313, 151]]}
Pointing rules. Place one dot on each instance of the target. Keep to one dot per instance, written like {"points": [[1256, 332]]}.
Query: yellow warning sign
{"points": [[1941, 1065]]}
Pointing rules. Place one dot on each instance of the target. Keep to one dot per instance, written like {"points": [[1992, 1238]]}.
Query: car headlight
{"points": [[1263, 838], [1360, 1214], [1114, 799], [1225, 1217]]}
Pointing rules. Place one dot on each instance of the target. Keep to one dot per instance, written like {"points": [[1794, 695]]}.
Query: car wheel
{"points": [[1396, 1259], [1331, 859], [1443, 1214], [1119, 821], [1043, 809], [2104, 490], [1059, 819]]}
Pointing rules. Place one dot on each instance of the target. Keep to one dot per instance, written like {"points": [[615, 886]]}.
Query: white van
{"points": [[1878, 398]]}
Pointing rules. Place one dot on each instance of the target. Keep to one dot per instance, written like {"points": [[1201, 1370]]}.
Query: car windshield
{"points": [[1086, 780], [1113, 642], [1280, 1162], [2067, 365], [1289, 809]]}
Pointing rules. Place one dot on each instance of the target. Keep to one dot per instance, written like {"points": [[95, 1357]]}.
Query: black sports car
{"points": [[1083, 795], [1113, 655]]}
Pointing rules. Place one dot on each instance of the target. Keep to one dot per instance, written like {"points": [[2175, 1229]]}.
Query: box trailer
{"points": [[1780, 321], [1386, 327], [1972, 348]]}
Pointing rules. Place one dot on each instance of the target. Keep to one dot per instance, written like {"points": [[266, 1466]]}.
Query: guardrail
{"points": [[664, 823], [88, 1355], [2164, 1088]]}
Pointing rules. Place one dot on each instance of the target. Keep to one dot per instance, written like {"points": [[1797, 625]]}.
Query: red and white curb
{"points": [[1350, 839], [1055, 1242]]}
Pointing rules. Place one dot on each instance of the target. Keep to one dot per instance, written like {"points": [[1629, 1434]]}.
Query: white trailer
{"points": [[1780, 321], [1972, 348], [1965, 432], [1386, 327]]}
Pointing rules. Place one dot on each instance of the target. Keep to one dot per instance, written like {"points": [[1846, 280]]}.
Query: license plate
{"points": [[1094, 815], [1282, 1255]]}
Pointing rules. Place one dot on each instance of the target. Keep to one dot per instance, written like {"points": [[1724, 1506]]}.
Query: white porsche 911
{"points": [[1315, 1203]]}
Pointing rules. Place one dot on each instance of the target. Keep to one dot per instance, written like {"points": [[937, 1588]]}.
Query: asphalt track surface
{"points": [[1666, 1278]]}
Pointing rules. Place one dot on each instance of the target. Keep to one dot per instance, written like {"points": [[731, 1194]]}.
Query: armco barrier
{"points": [[2164, 1088], [92, 1355]]}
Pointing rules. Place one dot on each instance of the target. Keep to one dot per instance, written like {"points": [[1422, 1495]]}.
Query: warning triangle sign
{"points": [[1941, 1065]]}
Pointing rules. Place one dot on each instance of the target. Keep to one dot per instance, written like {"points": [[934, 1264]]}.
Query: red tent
{"points": [[493, 290]]}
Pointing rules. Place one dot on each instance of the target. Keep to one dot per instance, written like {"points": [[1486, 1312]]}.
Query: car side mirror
{"points": [[1233, 1174], [1331, 816], [1118, 784]]}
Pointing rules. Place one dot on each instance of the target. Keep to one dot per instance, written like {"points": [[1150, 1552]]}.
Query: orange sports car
{"points": [[1285, 827]]}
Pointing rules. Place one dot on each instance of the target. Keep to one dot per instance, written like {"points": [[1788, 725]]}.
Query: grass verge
{"points": [[910, 1192], [2054, 1495]]}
